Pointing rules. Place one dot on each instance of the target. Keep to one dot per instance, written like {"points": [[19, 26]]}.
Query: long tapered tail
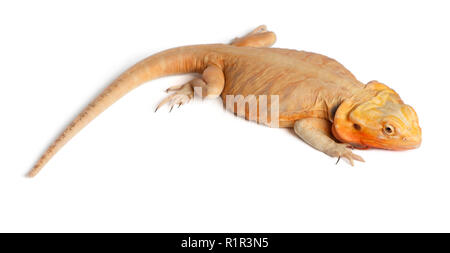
{"points": [[172, 61]]}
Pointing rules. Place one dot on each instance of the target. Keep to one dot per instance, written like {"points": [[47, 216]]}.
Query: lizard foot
{"points": [[259, 29], [343, 150], [259, 37], [183, 94]]}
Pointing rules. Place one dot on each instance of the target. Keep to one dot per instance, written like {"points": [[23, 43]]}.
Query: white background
{"points": [[200, 169]]}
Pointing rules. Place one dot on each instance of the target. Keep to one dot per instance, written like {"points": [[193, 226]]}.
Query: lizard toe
{"points": [[179, 98], [343, 150]]}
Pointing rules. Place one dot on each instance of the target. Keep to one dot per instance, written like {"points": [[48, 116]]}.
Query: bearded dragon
{"points": [[319, 98]]}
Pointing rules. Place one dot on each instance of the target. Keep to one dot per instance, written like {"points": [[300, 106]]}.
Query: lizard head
{"points": [[382, 121]]}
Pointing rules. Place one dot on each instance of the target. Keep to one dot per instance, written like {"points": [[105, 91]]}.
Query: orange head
{"points": [[382, 121]]}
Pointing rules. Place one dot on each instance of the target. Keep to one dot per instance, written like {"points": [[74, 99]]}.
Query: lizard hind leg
{"points": [[210, 86], [259, 37]]}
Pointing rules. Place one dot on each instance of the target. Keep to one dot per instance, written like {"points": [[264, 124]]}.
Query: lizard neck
{"points": [[354, 90]]}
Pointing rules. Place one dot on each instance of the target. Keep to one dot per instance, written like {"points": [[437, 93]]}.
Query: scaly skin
{"points": [[318, 97]]}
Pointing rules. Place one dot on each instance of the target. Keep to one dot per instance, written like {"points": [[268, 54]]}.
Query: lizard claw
{"points": [[183, 94], [343, 150]]}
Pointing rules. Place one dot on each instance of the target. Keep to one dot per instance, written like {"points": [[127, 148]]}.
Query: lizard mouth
{"points": [[403, 144], [359, 146]]}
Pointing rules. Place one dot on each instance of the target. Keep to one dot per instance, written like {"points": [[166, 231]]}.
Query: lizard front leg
{"points": [[209, 86], [259, 37], [316, 132]]}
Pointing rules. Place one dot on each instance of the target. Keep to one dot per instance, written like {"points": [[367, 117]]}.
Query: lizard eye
{"points": [[388, 130]]}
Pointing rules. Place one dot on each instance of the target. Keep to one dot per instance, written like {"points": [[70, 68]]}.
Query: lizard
{"points": [[327, 107]]}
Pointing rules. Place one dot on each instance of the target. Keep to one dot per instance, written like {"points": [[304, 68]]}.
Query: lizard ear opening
{"points": [[343, 129]]}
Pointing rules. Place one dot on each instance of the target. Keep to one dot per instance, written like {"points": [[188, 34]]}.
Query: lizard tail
{"points": [[172, 61]]}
